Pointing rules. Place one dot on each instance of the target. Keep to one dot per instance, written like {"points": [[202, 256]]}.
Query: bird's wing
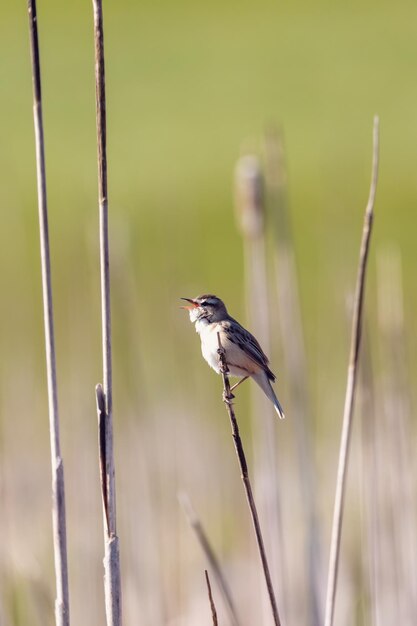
{"points": [[247, 342]]}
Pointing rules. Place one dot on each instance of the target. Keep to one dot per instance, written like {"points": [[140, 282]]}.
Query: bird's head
{"points": [[207, 307]]}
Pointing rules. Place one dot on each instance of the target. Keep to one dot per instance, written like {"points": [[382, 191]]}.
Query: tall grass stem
{"points": [[62, 616], [112, 583], [212, 605], [351, 386], [227, 397]]}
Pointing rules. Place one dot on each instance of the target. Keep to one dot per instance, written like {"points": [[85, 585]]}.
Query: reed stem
{"points": [[351, 387], [227, 397], [104, 394], [58, 485]]}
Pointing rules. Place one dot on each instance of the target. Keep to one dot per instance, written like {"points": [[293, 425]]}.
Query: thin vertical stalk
{"points": [[351, 387], [112, 585], [212, 605], [58, 487], [103, 201], [227, 397]]}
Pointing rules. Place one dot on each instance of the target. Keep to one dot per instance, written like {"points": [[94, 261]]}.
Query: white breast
{"points": [[209, 342], [238, 364]]}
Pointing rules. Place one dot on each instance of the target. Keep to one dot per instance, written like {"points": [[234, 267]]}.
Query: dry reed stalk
{"points": [[292, 338], [112, 582], [351, 386], [212, 605], [228, 397], [204, 542], [251, 220], [62, 617]]}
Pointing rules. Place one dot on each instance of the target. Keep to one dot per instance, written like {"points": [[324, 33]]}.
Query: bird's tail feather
{"points": [[263, 381]]}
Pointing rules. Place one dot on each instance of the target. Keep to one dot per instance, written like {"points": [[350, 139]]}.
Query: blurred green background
{"points": [[190, 87]]}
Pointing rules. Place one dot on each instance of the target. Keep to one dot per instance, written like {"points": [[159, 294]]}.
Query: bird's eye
{"points": [[203, 303]]}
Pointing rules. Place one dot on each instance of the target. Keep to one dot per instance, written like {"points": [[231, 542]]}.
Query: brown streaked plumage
{"points": [[244, 356]]}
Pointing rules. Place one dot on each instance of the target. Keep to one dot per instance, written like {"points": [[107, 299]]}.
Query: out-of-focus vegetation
{"points": [[190, 86]]}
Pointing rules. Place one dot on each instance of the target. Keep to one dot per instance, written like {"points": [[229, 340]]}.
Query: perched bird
{"points": [[244, 356]]}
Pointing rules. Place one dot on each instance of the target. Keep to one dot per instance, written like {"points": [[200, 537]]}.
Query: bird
{"points": [[244, 356]]}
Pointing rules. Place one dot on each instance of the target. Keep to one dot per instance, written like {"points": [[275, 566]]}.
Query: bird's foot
{"points": [[228, 397]]}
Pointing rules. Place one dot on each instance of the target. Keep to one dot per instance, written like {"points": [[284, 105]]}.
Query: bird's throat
{"points": [[201, 324]]}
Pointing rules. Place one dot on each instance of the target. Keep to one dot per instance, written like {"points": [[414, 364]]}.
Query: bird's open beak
{"points": [[194, 304]]}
